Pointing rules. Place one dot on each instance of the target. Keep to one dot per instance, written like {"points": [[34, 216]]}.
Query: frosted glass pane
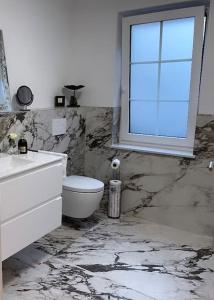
{"points": [[178, 39], [143, 117], [175, 81], [173, 117], [144, 81], [145, 39]]}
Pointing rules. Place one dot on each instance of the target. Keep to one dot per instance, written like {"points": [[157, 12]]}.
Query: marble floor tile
{"points": [[70, 230], [55, 280], [131, 252], [103, 258]]}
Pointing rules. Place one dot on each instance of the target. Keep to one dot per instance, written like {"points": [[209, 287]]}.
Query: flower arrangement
{"points": [[12, 142], [12, 136]]}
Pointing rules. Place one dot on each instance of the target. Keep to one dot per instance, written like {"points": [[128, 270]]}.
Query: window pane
{"points": [[178, 39], [173, 119], [143, 117], [144, 81], [145, 39], [175, 81]]}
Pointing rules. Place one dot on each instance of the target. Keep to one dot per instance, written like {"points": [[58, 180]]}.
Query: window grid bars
{"points": [[159, 78], [159, 62], [149, 100]]}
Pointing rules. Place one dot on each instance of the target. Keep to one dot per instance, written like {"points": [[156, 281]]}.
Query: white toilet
{"points": [[81, 196]]}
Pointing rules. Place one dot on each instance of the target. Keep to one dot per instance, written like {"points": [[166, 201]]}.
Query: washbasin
{"points": [[16, 164], [13, 162]]}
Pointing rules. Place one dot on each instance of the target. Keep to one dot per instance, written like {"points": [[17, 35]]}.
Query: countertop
{"points": [[11, 165]]}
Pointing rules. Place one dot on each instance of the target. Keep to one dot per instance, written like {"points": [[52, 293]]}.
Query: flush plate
{"points": [[59, 126]]}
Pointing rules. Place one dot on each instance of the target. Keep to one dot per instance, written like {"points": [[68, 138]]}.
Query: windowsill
{"points": [[153, 150]]}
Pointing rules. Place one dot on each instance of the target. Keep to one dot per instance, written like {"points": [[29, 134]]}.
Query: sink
{"points": [[12, 162], [11, 165]]}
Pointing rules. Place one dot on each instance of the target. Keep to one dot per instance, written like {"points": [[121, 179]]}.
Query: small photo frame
{"points": [[60, 101]]}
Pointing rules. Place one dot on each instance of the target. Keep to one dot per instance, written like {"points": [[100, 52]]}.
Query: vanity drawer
{"points": [[25, 229], [30, 190]]}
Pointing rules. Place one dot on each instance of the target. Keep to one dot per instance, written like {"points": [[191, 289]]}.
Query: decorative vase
{"points": [[73, 102]]}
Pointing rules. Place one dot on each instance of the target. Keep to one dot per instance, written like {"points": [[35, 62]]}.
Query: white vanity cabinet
{"points": [[31, 204]]}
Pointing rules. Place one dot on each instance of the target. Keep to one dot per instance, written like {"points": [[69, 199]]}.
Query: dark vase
{"points": [[73, 102]]}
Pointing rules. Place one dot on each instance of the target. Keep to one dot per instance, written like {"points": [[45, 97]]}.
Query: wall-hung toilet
{"points": [[81, 196]]}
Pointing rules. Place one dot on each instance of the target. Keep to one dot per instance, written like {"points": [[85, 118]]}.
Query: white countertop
{"points": [[11, 165]]}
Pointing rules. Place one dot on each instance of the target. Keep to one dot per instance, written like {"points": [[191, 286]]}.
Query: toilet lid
{"points": [[82, 184]]}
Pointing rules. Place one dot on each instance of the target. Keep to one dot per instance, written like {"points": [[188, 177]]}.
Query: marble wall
{"points": [[168, 190], [37, 128]]}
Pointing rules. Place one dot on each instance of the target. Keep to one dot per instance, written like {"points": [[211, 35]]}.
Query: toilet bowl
{"points": [[81, 196]]}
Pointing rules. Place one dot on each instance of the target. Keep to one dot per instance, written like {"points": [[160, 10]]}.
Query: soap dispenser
{"points": [[22, 145]]}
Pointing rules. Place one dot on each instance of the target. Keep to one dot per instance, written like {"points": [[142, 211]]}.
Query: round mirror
{"points": [[24, 95]]}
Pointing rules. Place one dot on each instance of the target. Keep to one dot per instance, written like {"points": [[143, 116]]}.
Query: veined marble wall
{"points": [[168, 190], [37, 128]]}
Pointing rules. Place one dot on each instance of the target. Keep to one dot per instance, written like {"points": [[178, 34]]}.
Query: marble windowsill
{"points": [[153, 150]]}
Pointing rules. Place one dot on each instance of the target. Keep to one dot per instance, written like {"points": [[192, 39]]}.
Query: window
{"points": [[161, 67]]}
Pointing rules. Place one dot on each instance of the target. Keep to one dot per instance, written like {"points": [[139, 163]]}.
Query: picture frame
{"points": [[59, 101]]}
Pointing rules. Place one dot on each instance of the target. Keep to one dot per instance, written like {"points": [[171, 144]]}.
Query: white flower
{"points": [[12, 136]]}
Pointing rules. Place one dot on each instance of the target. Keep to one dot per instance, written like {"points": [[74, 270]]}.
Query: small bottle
{"points": [[22, 146]]}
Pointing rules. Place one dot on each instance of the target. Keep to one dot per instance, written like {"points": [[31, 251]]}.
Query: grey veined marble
{"points": [[37, 129], [131, 258], [126, 259], [170, 190]]}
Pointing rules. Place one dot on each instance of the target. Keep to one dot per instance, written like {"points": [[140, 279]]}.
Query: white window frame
{"points": [[160, 144]]}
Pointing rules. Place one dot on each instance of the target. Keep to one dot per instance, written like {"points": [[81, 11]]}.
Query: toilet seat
{"points": [[82, 184]]}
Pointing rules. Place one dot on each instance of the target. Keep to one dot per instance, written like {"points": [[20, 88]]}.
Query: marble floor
{"points": [[100, 258]]}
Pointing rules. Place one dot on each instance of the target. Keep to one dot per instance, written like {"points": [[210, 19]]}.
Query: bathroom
{"points": [[162, 246]]}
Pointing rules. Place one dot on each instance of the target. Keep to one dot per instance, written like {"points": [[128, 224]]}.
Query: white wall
{"points": [[53, 42], [96, 61], [37, 38]]}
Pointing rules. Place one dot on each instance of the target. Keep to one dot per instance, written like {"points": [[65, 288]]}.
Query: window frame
{"points": [[160, 144]]}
